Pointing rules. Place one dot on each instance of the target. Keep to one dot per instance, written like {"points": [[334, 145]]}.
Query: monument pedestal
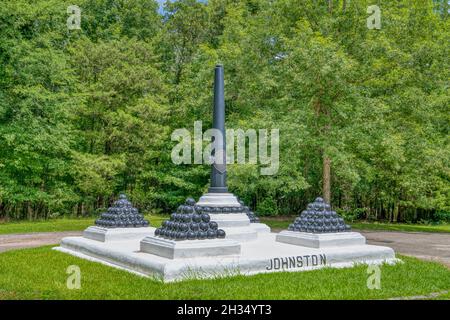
{"points": [[264, 255], [260, 227], [321, 240], [173, 249], [237, 226], [118, 234]]}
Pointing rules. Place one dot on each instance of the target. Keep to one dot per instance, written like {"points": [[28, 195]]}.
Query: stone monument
{"points": [[219, 235]]}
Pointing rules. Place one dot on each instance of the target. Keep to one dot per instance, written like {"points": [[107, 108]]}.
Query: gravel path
{"points": [[423, 245], [31, 240], [428, 246]]}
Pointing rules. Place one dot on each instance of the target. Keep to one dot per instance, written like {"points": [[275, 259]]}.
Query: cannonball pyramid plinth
{"points": [[122, 215], [190, 222], [319, 218]]}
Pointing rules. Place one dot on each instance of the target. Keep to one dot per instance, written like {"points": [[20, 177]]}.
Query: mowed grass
{"points": [[61, 224], [40, 273], [283, 222], [276, 223]]}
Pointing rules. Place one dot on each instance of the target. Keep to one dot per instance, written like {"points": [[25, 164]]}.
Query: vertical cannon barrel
{"points": [[219, 166]]}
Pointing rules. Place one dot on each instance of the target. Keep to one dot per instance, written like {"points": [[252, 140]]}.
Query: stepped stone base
{"points": [[117, 234], [237, 226], [321, 240], [260, 227], [172, 249], [264, 255]]}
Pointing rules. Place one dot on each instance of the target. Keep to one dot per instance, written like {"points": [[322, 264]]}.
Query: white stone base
{"points": [[237, 226], [263, 255], [189, 249], [117, 234], [218, 200], [260, 227], [321, 240]]}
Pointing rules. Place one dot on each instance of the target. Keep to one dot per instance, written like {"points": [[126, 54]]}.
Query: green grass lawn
{"points": [[283, 223], [277, 223], [61, 224], [40, 273]]}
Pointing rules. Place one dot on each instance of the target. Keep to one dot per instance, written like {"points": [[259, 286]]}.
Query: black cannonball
{"points": [[190, 201], [205, 217], [157, 231], [213, 225], [211, 234], [319, 200], [184, 227], [194, 226], [188, 209], [145, 223], [319, 229], [220, 233], [173, 216], [187, 218], [191, 235], [162, 232], [204, 226], [202, 235], [291, 227], [197, 218], [182, 235]]}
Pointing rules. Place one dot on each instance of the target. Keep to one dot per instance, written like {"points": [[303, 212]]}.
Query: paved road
{"points": [[423, 245], [428, 246], [31, 240]]}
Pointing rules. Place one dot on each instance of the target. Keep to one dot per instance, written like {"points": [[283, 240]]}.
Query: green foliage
{"points": [[86, 114]]}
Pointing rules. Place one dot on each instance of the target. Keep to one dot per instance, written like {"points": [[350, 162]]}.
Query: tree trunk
{"points": [[395, 213], [344, 5], [326, 187]]}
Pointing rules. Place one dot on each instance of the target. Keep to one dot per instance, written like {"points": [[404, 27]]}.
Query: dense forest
{"points": [[88, 113]]}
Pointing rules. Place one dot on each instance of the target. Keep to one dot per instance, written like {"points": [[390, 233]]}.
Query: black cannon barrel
{"points": [[219, 168]]}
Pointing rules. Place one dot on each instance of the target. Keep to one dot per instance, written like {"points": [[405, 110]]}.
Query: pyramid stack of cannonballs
{"points": [[190, 222], [122, 215], [251, 215], [319, 218]]}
